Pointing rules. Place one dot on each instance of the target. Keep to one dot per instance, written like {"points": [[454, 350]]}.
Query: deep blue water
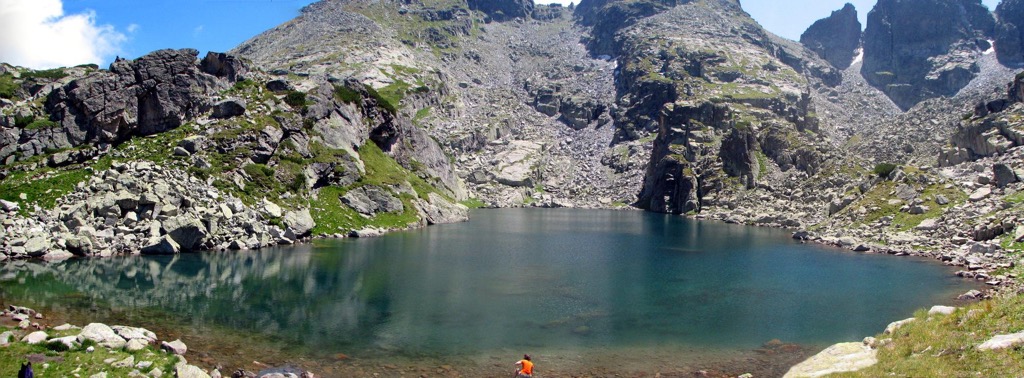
{"points": [[513, 279]]}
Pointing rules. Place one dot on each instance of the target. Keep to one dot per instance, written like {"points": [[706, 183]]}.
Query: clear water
{"points": [[508, 280]]}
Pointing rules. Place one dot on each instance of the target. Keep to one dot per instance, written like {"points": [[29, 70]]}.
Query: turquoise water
{"points": [[508, 280]]}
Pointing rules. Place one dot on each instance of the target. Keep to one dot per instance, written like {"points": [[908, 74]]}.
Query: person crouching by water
{"points": [[524, 368]]}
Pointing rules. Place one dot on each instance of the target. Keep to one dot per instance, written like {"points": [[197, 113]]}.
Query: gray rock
{"points": [[35, 337], [9, 206], [135, 345], [131, 333], [928, 225], [232, 107], [1004, 175], [164, 245], [125, 363], [370, 200], [5, 338], [57, 255], [980, 194], [177, 347], [1003, 341], [941, 310], [187, 231], [69, 341], [37, 246], [970, 295], [180, 151], [102, 335], [299, 221], [189, 371], [894, 326], [271, 209]]}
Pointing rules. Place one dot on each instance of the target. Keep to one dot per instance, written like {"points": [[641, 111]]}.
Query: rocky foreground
{"points": [[98, 350]]}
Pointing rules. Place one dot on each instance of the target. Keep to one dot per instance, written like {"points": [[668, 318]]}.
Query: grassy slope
{"points": [[946, 346], [78, 362]]}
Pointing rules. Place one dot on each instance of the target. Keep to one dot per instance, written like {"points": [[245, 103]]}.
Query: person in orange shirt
{"points": [[524, 368]]}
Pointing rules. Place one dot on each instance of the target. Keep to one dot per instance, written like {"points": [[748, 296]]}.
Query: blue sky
{"points": [[50, 33]]}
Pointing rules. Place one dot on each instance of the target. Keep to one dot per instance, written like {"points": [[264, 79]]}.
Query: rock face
{"points": [[835, 38], [920, 49], [503, 10], [149, 95], [1010, 32]]}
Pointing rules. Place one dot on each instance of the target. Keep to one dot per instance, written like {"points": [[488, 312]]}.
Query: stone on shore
{"points": [[103, 335], [35, 337], [299, 221], [941, 310], [177, 347], [894, 326], [1003, 341], [189, 371], [843, 357], [68, 341], [132, 333], [164, 245]]}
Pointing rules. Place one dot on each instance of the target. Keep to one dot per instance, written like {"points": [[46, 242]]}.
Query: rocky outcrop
{"points": [[503, 10], [921, 49], [994, 129], [1009, 38], [835, 38], [608, 17]]}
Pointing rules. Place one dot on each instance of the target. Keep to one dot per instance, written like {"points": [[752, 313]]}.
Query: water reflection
{"points": [[568, 279]]}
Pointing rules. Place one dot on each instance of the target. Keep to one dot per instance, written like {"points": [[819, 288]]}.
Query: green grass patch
{"points": [[473, 203], [421, 115], [391, 96], [333, 216], [50, 74], [347, 95], [946, 346], [884, 169], [43, 186], [40, 123], [8, 87]]}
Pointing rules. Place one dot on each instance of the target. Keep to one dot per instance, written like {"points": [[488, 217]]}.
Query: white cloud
{"points": [[37, 34], [132, 28], [198, 31]]}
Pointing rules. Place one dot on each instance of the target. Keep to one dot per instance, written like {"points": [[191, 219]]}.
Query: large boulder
{"points": [[102, 335], [839, 358], [299, 221], [835, 38], [188, 232], [1004, 175], [370, 200], [228, 108]]}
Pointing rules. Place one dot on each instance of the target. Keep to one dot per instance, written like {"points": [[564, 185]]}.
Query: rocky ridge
{"points": [[835, 38]]}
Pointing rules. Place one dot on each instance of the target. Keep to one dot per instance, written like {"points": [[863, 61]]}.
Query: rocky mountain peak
{"points": [[920, 49], [836, 37], [1009, 34]]}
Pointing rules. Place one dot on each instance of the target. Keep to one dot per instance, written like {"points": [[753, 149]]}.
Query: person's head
{"points": [[526, 357]]}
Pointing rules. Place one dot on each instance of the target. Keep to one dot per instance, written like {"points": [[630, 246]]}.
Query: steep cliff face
{"points": [[920, 49], [835, 38], [725, 102], [1010, 32]]}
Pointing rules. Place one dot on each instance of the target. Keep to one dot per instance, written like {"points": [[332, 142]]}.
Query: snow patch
{"points": [[991, 49], [859, 57]]}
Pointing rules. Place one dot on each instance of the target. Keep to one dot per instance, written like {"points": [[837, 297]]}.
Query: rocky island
{"points": [[362, 117]]}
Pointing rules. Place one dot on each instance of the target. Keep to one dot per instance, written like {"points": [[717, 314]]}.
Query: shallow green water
{"points": [[514, 280]]}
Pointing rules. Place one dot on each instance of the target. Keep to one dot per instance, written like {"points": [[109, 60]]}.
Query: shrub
{"points": [[346, 94], [295, 98], [7, 86], [884, 169]]}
